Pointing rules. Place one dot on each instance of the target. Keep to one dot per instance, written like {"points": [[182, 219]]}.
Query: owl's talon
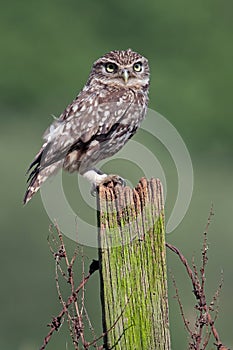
{"points": [[109, 181], [113, 180]]}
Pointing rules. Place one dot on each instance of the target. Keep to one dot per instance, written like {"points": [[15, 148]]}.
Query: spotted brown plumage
{"points": [[97, 124]]}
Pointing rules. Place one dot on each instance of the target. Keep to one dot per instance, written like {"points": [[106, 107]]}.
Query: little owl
{"points": [[97, 124]]}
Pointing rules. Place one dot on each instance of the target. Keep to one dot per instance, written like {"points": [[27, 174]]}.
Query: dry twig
{"points": [[70, 307], [74, 313], [204, 320]]}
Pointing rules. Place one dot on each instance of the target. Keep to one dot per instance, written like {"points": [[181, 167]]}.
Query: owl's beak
{"points": [[125, 75]]}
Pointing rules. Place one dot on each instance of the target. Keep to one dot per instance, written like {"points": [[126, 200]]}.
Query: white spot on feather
{"points": [[73, 156], [90, 109], [54, 131], [106, 114], [75, 107]]}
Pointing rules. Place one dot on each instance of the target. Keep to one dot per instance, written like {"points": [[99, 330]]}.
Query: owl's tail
{"points": [[37, 177]]}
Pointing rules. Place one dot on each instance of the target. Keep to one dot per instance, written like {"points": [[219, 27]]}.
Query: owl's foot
{"points": [[112, 180], [109, 181], [97, 178]]}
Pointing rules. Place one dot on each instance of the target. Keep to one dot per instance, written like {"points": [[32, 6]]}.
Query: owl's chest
{"points": [[121, 131]]}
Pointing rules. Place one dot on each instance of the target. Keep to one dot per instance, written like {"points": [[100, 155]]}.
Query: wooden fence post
{"points": [[132, 257]]}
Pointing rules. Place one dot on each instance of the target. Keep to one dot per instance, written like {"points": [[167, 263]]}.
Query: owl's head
{"points": [[121, 68]]}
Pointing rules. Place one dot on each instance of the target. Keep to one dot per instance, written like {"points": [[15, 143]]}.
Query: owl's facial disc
{"points": [[121, 74]]}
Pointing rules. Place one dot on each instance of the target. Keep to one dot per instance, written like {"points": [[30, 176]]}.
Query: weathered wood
{"points": [[133, 267]]}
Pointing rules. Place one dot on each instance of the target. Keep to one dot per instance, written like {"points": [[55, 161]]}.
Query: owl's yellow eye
{"points": [[111, 67], [137, 67]]}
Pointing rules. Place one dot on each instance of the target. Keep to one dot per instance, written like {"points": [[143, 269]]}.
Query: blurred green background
{"points": [[47, 49]]}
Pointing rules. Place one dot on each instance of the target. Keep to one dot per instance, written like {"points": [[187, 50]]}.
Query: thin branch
{"points": [[204, 319], [56, 321], [186, 322]]}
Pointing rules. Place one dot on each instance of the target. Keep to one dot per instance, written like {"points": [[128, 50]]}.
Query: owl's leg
{"points": [[96, 177]]}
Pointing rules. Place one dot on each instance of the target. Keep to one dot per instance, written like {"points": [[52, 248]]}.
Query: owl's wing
{"points": [[89, 116]]}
